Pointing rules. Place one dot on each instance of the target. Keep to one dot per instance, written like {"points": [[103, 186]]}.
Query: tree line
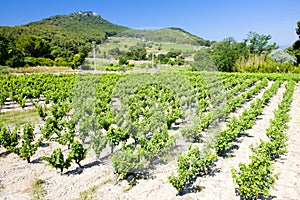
{"points": [[33, 50], [254, 54]]}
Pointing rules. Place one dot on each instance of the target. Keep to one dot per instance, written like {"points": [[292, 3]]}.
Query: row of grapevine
{"points": [[193, 163], [226, 137], [223, 143], [142, 124], [222, 111], [257, 177], [23, 142], [19, 89]]}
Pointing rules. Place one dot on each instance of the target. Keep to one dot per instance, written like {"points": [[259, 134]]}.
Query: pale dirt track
{"points": [[287, 186]]}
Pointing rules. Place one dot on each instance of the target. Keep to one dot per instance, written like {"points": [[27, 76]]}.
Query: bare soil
{"points": [[288, 167]]}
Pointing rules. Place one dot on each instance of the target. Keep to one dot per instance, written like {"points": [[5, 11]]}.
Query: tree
{"points": [[123, 60], [203, 61], [9, 55], [225, 54], [296, 46], [33, 46], [4, 44], [115, 52], [282, 57], [298, 29], [77, 60], [173, 54], [137, 54], [259, 44], [58, 52], [16, 58]]}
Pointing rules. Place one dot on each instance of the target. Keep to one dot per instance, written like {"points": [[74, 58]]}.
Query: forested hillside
{"points": [[59, 37], [65, 30], [65, 40]]}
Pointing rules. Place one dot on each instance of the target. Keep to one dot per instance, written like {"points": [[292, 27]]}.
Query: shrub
{"points": [[280, 56]]}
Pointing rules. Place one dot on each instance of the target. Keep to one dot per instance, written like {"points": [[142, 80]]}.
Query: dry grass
{"points": [[38, 191], [42, 69], [17, 118], [88, 194]]}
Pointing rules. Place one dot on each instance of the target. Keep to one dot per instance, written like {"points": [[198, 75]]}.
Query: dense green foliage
{"points": [[133, 54], [295, 48], [203, 61], [259, 44], [254, 54], [57, 161], [226, 53], [190, 165], [68, 31], [173, 57], [62, 40]]}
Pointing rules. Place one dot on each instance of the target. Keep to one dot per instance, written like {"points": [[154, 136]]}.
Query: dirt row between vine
{"points": [[288, 167]]}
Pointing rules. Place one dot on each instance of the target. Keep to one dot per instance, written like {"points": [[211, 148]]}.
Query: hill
{"points": [[67, 30], [172, 35], [64, 40]]}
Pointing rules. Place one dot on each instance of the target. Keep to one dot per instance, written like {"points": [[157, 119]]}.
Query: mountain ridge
{"points": [[169, 34], [86, 26]]}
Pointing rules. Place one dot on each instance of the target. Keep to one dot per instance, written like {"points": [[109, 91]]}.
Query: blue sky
{"points": [[209, 19]]}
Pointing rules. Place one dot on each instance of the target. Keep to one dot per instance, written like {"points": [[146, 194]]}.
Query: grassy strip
{"points": [[17, 118], [41, 69]]}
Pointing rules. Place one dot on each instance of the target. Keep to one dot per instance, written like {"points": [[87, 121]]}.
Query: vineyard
{"points": [[150, 136]]}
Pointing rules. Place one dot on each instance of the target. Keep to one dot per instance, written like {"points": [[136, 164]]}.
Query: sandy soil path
{"points": [[288, 184]]}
